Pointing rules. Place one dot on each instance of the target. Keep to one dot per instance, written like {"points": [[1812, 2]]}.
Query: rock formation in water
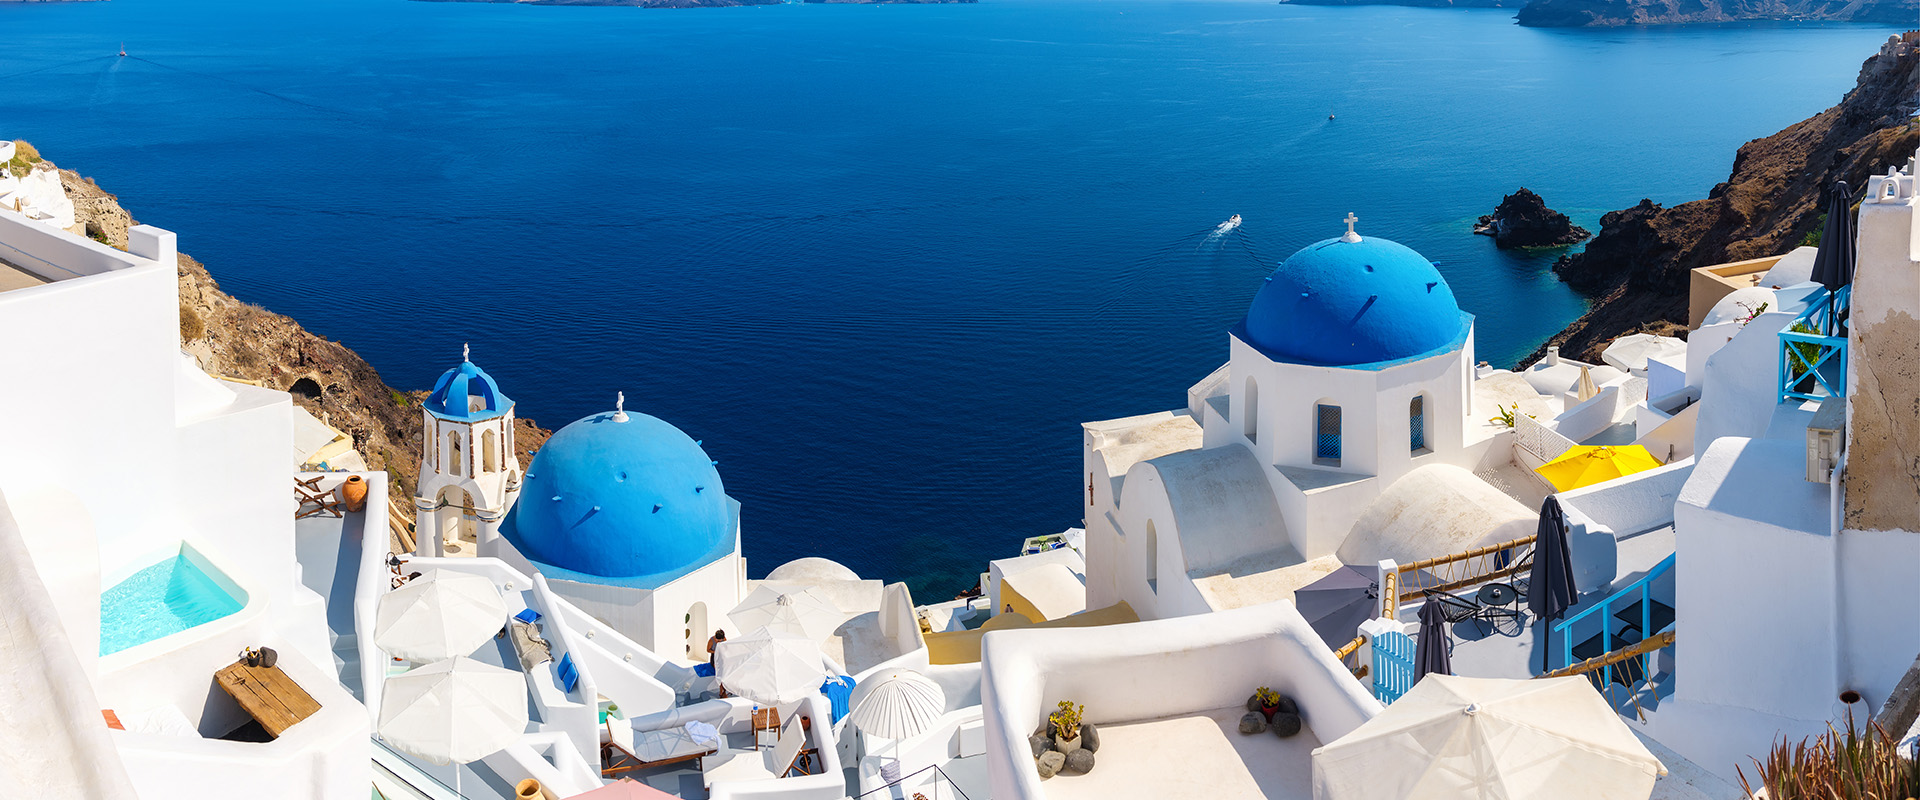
{"points": [[1610, 13], [1523, 220], [236, 339], [1637, 267]]}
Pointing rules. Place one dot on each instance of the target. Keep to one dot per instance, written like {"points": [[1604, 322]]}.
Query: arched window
{"points": [[489, 451], [1417, 422], [1250, 412], [1153, 558], [454, 456], [1326, 434]]}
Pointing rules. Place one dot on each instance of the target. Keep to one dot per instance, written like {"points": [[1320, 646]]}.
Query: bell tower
{"points": [[469, 476]]}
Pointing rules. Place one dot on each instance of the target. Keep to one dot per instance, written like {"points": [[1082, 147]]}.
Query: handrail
{"points": [[1825, 347], [1349, 648], [1390, 590], [1604, 606], [903, 779], [1659, 641]]}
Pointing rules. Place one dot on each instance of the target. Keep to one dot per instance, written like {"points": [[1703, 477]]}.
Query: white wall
{"points": [[1738, 391], [1154, 669], [1634, 503]]}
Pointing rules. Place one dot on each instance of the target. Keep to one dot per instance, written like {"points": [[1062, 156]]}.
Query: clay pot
{"points": [[354, 491], [531, 789]]}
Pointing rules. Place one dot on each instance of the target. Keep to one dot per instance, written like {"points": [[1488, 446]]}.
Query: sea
{"points": [[882, 260]]}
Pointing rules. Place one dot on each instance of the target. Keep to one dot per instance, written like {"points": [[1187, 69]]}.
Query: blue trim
{"points": [[1826, 356], [1393, 669], [1640, 588], [1327, 445]]}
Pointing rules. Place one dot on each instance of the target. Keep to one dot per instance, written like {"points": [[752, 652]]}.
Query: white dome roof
{"points": [[1739, 303], [812, 570]]}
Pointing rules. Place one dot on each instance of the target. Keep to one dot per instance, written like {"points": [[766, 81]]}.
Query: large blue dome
{"points": [[1348, 303], [625, 500]]}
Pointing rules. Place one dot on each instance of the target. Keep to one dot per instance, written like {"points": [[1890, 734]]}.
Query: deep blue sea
{"points": [[883, 260]]}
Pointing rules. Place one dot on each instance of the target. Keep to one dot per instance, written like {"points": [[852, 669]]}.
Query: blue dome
{"points": [[622, 500], [467, 393], [1346, 303]]}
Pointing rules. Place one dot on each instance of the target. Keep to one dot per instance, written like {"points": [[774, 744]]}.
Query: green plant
{"points": [[1855, 765], [399, 398], [1812, 239], [192, 327], [1066, 720], [1752, 312], [1507, 416], [1805, 353], [1267, 697]]}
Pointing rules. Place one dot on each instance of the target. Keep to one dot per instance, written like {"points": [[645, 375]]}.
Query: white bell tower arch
{"points": [[469, 476]]}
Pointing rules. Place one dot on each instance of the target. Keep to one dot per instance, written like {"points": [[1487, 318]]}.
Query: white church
{"points": [[1344, 428]]}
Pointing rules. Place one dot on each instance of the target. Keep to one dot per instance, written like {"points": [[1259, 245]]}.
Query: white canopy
{"points": [[453, 711], [440, 614], [1489, 739], [896, 704], [806, 612], [1632, 352], [771, 667]]}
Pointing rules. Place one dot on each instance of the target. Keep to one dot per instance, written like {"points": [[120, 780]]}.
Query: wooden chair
{"points": [[309, 494]]}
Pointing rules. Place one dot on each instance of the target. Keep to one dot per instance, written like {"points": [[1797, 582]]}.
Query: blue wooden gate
{"points": [[1392, 665]]}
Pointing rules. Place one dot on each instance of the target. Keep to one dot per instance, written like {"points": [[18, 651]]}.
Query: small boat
{"points": [[1233, 221], [1226, 227], [123, 49]]}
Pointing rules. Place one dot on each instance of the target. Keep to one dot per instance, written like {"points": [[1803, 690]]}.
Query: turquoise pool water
{"points": [[161, 600]]}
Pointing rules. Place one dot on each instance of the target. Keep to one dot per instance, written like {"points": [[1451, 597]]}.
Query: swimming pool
{"points": [[164, 599]]}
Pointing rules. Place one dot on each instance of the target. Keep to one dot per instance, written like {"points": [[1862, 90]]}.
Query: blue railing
{"points": [[1641, 589], [1813, 364]]}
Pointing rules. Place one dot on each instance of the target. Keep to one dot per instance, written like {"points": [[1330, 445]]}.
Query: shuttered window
{"points": [[1417, 421], [1326, 440]]}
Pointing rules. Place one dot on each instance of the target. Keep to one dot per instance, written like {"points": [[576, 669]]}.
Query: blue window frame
{"points": [[1326, 440], [1417, 421]]}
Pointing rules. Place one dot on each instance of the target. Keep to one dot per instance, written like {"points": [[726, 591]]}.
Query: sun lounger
{"points": [[654, 749]]}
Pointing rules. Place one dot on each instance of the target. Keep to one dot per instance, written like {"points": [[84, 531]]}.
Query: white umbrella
{"points": [[439, 615], [1489, 739], [896, 704], [806, 612], [773, 668], [1632, 352], [453, 711]]}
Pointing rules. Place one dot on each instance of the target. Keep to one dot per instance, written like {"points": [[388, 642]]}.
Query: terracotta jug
{"points": [[354, 491]]}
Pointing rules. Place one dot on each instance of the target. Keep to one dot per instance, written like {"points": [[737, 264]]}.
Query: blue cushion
{"points": [[569, 674], [528, 616], [703, 670]]}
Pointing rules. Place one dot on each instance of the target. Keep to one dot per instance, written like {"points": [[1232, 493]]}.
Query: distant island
{"points": [[690, 3], [1615, 13]]}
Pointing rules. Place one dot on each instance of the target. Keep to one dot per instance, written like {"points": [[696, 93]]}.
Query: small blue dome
{"points": [[622, 500], [1342, 303], [467, 393]]}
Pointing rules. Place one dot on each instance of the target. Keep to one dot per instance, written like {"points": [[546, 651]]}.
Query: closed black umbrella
{"points": [[1833, 266], [1430, 646], [1336, 604], [1550, 589]]}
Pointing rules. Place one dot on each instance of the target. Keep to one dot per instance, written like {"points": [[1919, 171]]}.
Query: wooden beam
{"points": [[267, 695]]}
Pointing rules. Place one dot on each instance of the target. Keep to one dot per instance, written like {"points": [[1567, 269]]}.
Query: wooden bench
{"points": [[268, 695]]}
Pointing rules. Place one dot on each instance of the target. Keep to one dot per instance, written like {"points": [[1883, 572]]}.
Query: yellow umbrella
{"points": [[1586, 465]]}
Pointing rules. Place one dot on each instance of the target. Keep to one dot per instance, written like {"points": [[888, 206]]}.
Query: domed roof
{"points": [[622, 495], [814, 569], [1352, 301], [467, 393]]}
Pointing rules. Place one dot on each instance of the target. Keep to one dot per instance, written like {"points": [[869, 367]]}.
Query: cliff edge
{"points": [[1637, 267], [236, 339], [1613, 13]]}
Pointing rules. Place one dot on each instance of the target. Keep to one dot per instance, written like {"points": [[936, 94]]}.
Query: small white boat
{"points": [[1231, 223]]}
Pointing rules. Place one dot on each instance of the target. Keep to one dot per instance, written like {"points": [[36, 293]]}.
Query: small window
{"points": [[454, 456], [1153, 558], [1417, 422], [1250, 411], [1326, 439]]}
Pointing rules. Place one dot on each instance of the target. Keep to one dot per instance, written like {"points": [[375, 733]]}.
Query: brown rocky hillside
{"points": [[1637, 267], [236, 339]]}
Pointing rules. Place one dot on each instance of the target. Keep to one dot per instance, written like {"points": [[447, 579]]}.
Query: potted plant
{"points": [[1268, 700], [1801, 378], [1066, 726]]}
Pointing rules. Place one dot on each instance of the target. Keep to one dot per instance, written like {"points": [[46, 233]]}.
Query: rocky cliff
{"points": [[1637, 267], [236, 339], [1523, 220], [1609, 13]]}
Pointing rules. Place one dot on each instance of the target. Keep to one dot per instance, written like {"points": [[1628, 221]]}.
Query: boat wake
{"points": [[1217, 238]]}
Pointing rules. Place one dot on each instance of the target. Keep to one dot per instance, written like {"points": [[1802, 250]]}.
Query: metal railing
{"points": [[1812, 361], [1408, 582], [1604, 608]]}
